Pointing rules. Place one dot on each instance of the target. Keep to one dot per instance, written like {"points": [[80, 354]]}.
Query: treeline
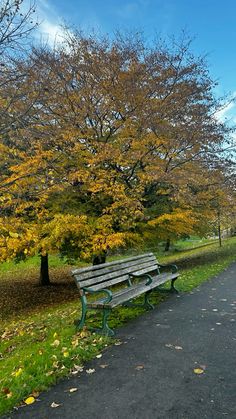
{"points": [[105, 143]]}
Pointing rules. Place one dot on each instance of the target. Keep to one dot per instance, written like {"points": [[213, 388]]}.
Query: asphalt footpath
{"points": [[176, 361]]}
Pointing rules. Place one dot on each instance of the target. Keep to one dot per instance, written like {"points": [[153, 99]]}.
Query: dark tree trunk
{"points": [[44, 272], [167, 245], [100, 258], [219, 229]]}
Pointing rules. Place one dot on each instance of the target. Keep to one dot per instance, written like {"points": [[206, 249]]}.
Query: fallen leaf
{"points": [[84, 334], [55, 404], [7, 392], [198, 371], [90, 371], [72, 390], [49, 373], [139, 367], [178, 348], [56, 343], [118, 343], [17, 372], [103, 365], [29, 400], [99, 356], [168, 345], [79, 368]]}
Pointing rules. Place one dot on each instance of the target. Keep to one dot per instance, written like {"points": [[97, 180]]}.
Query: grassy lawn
{"points": [[39, 343]]}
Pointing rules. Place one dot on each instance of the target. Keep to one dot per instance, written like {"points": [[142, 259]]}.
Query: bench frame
{"points": [[149, 282]]}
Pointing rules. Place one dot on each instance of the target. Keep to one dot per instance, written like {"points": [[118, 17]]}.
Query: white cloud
{"points": [[226, 113], [50, 23], [50, 32]]}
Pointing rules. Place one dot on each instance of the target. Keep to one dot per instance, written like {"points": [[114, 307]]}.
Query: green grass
{"points": [[11, 268], [42, 345]]}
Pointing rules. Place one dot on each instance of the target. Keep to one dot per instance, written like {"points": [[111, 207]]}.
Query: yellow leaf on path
{"points": [[72, 390], [198, 371], [29, 400]]}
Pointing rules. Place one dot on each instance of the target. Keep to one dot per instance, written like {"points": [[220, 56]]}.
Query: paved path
{"points": [[149, 375]]}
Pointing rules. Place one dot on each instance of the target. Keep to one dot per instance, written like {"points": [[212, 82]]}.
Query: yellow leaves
{"points": [[56, 343], [14, 235], [18, 372], [66, 354], [198, 371], [29, 400], [178, 222]]}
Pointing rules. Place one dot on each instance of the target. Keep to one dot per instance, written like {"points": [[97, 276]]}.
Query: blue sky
{"points": [[212, 24]]}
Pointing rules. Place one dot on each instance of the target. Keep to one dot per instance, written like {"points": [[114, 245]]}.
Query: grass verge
{"points": [[39, 348]]}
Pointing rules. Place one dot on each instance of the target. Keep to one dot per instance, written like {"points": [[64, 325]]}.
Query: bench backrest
{"points": [[112, 273]]}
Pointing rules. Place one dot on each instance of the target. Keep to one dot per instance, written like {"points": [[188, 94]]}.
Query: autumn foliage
{"points": [[107, 142]]}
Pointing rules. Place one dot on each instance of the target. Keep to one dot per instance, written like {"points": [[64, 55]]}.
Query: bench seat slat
{"points": [[127, 294]]}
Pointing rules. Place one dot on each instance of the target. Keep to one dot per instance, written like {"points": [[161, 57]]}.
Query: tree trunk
{"points": [[44, 272], [100, 258], [167, 245], [219, 229]]}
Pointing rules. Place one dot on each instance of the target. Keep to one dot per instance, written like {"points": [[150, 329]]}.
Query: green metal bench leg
{"points": [[147, 303], [80, 322], [173, 289], [105, 330]]}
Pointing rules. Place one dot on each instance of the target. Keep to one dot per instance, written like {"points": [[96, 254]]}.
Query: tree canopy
{"points": [[106, 142]]}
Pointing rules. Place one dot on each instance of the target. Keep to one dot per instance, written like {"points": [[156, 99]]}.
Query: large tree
{"points": [[111, 125]]}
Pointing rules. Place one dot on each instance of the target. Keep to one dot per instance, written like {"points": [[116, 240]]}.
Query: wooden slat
{"points": [[108, 264], [123, 296], [129, 293], [145, 270], [119, 275], [106, 284], [93, 273]]}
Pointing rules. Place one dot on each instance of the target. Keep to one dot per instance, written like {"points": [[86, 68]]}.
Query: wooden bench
{"points": [[119, 282]]}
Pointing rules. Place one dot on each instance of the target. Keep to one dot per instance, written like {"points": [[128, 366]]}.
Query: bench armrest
{"points": [[149, 278], [105, 291], [171, 266]]}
